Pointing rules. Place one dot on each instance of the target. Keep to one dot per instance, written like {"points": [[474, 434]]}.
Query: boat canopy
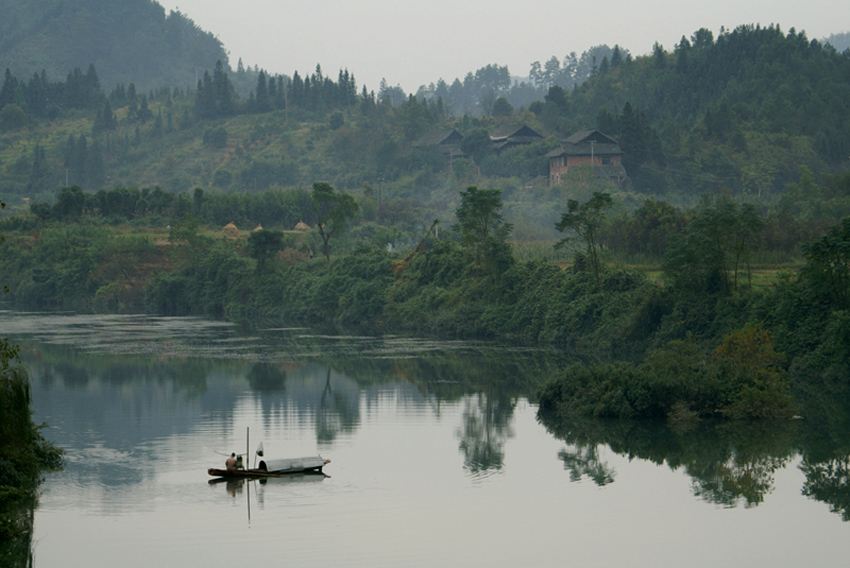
{"points": [[292, 464]]}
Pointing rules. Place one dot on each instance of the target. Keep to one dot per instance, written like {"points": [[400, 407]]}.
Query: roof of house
{"points": [[587, 143], [440, 137], [588, 136], [510, 132], [508, 136]]}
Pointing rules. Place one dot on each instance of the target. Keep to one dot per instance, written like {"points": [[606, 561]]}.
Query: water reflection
{"points": [[16, 550], [829, 482], [583, 461], [338, 410], [730, 464], [236, 487], [410, 425], [485, 429], [267, 377]]}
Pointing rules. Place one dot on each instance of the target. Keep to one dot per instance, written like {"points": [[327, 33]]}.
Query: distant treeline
{"points": [[121, 205], [43, 98]]}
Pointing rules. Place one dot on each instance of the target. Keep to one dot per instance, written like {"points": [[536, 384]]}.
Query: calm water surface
{"points": [[438, 459]]}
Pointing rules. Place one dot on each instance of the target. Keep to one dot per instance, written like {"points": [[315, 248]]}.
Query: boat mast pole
{"points": [[247, 445]]}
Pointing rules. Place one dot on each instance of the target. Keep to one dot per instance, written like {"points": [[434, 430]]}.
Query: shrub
{"points": [[215, 137]]}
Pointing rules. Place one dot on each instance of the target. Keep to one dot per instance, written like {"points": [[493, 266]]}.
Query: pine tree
{"points": [[38, 174], [94, 166], [105, 119], [205, 103], [224, 94], [261, 101], [157, 125], [7, 91], [144, 114]]}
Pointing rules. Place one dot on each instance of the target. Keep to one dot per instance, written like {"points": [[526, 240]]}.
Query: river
{"points": [[438, 458]]}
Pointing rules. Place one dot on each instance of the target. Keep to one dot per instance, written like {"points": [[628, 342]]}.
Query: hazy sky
{"points": [[413, 43]]}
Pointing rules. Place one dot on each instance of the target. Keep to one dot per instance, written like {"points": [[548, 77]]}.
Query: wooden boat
{"points": [[275, 468]]}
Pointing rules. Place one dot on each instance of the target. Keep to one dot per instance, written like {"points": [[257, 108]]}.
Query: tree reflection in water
{"points": [[730, 464], [16, 551], [583, 461], [744, 479], [485, 429], [267, 377], [742, 461], [829, 482], [336, 412]]}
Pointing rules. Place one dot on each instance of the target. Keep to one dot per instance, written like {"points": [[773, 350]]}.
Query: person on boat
{"points": [[230, 464]]}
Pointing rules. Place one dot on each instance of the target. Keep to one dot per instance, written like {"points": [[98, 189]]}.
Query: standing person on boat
{"points": [[230, 464]]}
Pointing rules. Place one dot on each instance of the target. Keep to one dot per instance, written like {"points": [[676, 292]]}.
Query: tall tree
{"points": [[482, 227], [827, 270], [717, 241], [477, 145], [262, 100], [585, 220], [39, 172], [263, 245], [333, 210]]}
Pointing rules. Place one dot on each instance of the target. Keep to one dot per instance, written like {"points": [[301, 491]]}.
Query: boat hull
{"points": [[301, 465]]}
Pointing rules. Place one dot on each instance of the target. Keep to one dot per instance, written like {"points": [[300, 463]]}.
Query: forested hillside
{"points": [[737, 113], [751, 113], [128, 41]]}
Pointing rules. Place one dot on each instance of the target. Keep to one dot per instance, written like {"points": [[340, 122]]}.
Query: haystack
{"points": [[259, 227], [230, 231], [302, 226]]}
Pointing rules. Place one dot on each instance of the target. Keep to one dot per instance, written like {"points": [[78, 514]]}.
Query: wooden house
{"points": [[510, 136], [587, 148], [445, 140]]}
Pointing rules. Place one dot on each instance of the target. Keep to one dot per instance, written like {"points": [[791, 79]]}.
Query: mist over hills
{"points": [[840, 42], [126, 40], [738, 113]]}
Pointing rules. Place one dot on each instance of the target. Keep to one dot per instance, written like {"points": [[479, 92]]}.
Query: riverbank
{"points": [[449, 289], [25, 455]]}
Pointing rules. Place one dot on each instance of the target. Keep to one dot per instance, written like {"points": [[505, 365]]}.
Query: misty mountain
{"points": [[126, 40], [840, 42]]}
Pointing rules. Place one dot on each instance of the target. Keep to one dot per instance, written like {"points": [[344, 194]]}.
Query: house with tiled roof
{"points": [[510, 136], [587, 148], [447, 142], [444, 139]]}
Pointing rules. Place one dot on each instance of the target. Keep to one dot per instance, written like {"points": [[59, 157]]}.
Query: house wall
{"points": [[559, 166], [600, 160]]}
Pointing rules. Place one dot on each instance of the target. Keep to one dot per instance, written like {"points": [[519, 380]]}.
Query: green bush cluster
{"points": [[741, 379]]}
